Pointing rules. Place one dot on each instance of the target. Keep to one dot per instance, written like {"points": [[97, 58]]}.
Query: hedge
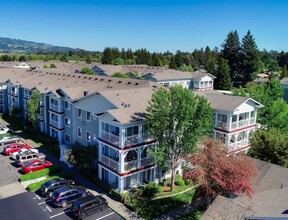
{"points": [[36, 186], [37, 174]]}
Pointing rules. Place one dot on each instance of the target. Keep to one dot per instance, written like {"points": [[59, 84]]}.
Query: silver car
{"points": [[9, 140]]}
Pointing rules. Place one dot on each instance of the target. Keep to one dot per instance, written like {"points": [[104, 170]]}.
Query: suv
{"points": [[9, 140], [66, 194], [27, 156], [88, 205], [50, 186]]}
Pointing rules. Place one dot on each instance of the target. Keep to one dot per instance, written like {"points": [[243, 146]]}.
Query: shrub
{"points": [[102, 185], [151, 189], [36, 186], [41, 173], [121, 197], [45, 66], [167, 182], [53, 65], [179, 181]]}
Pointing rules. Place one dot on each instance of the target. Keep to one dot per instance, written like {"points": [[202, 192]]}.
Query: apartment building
{"points": [[108, 113]]}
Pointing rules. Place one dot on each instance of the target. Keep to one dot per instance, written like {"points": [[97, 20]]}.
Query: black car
{"points": [[66, 194], [88, 205], [50, 186]]}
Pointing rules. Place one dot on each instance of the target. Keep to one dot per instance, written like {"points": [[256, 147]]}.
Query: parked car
{"points": [[88, 205], [11, 148], [4, 130], [21, 151], [50, 186], [27, 156], [67, 194], [9, 140], [35, 165]]}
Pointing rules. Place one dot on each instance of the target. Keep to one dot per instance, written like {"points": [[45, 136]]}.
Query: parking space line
{"points": [[47, 207], [106, 215], [61, 213], [38, 197], [44, 202]]}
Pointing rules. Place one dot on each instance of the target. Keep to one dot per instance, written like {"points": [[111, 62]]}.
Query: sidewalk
{"points": [[79, 179]]}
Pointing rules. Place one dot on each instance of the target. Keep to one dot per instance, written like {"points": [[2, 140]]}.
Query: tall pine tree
{"points": [[250, 58], [172, 64], [223, 80], [230, 52]]}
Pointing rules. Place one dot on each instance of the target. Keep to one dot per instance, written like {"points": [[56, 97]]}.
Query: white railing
{"points": [[237, 145], [252, 121], [56, 108], [137, 139], [130, 165], [110, 162], [243, 123], [110, 137], [221, 124], [147, 161]]}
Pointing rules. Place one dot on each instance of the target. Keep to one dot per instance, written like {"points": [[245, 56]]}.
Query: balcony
{"points": [[238, 145], [131, 165], [40, 117], [137, 139], [56, 124], [13, 93], [26, 96], [110, 163], [221, 125], [56, 108], [111, 138], [147, 161]]}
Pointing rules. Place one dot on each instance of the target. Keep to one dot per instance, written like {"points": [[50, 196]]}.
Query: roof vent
{"points": [[119, 81], [95, 78], [101, 79], [129, 83], [109, 80], [136, 84], [40, 83]]}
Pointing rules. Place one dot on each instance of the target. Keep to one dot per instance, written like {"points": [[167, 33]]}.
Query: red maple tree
{"points": [[220, 173]]}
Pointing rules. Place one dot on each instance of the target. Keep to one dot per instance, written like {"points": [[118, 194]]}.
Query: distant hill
{"points": [[17, 46]]}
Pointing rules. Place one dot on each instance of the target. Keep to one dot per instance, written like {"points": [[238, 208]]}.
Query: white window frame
{"points": [[89, 140], [66, 135], [68, 125], [79, 129], [79, 110]]}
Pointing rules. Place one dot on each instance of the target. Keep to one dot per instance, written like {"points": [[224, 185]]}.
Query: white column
{"points": [[229, 119], [237, 120], [140, 132], [121, 161], [100, 151], [120, 183], [138, 179], [121, 136], [139, 150], [99, 172], [215, 120]]}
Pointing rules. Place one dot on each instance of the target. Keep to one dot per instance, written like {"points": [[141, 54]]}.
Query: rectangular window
{"points": [[67, 105], [88, 116], [67, 138], [94, 137], [79, 132], [132, 131], [88, 136], [79, 113], [67, 121]]}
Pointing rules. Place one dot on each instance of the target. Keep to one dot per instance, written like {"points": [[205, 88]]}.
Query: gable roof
{"points": [[220, 101]]}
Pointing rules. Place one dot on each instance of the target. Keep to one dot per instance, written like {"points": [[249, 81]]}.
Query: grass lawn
{"points": [[155, 208], [42, 140]]}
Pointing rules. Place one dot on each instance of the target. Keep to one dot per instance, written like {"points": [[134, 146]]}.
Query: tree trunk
{"points": [[172, 177]]}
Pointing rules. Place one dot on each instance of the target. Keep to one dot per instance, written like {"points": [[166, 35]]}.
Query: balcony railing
{"points": [[11, 92], [147, 161], [130, 165], [221, 124], [252, 121], [56, 124], [137, 139], [110, 162], [237, 145], [111, 138], [56, 108]]}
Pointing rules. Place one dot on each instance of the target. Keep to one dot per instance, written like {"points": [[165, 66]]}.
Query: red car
{"points": [[35, 165], [11, 148]]}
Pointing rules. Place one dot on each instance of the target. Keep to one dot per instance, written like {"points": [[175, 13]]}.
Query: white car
{"points": [[9, 140], [4, 130], [13, 155]]}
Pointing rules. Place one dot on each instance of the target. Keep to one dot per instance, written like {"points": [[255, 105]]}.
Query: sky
{"points": [[158, 25]]}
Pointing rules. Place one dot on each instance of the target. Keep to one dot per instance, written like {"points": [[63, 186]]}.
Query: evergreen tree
{"points": [[123, 54], [33, 107], [155, 60], [223, 80], [179, 58], [230, 51], [107, 56], [88, 60], [250, 58], [172, 64], [130, 54], [285, 72]]}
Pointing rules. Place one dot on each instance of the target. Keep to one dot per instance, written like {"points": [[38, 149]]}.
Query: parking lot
{"points": [[17, 203]]}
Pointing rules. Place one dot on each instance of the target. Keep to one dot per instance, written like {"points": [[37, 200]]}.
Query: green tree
{"points": [[179, 58], [64, 58], [250, 58], [120, 75], [33, 107], [271, 146], [107, 56], [172, 64], [177, 118], [88, 60], [223, 80], [87, 70], [230, 51], [155, 60], [118, 61], [52, 65], [285, 72], [130, 62], [22, 58]]}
